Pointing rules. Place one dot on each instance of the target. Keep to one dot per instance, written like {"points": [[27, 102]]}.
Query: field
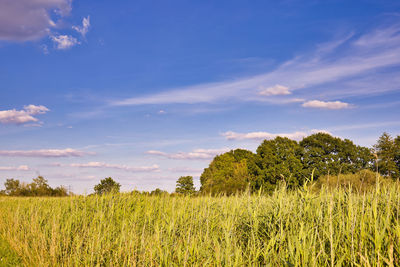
{"points": [[288, 228]]}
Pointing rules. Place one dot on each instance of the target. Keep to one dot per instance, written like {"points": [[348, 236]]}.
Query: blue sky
{"points": [[147, 91]]}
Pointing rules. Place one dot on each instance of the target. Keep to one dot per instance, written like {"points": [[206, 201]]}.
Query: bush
{"points": [[361, 181]]}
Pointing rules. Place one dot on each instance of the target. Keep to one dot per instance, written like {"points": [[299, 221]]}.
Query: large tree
{"points": [[279, 160], [229, 173], [185, 186], [107, 185], [324, 154]]}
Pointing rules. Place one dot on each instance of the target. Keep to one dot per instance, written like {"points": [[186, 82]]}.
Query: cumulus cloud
{"points": [[275, 90], [63, 42], [325, 105], [197, 154], [26, 20], [268, 136], [83, 30], [19, 168], [94, 164], [45, 153], [26, 115]]}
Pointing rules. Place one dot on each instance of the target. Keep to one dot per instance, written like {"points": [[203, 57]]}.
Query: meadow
{"points": [[288, 228]]}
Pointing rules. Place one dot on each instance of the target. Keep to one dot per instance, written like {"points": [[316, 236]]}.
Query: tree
{"points": [[40, 187], [387, 150], [12, 187], [107, 185], [229, 173], [185, 186], [279, 160], [323, 154]]}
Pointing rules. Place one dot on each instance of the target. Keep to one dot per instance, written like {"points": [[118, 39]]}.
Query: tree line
{"points": [[291, 162], [280, 160], [38, 187]]}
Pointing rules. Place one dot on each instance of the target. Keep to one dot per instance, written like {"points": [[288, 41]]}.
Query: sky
{"points": [[148, 91]]}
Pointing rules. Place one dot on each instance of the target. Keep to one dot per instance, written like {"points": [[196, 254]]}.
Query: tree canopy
{"points": [[185, 186], [107, 185]]}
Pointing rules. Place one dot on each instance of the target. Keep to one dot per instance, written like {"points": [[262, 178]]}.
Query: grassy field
{"points": [[297, 228]]}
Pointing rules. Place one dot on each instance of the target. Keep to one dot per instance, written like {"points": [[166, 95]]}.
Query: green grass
{"points": [[288, 228], [8, 257]]}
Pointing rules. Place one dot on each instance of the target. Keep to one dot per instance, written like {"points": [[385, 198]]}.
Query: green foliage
{"points": [[362, 181], [39, 187], [106, 186], [288, 228], [325, 154], [158, 192], [185, 186], [388, 152], [229, 173], [279, 160]]}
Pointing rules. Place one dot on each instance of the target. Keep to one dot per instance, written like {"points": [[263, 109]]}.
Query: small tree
{"points": [[185, 186], [107, 185]]}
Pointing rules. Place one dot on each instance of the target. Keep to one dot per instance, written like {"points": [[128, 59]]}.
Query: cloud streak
{"points": [[45, 153], [19, 168], [197, 154], [258, 136], [102, 165], [360, 55]]}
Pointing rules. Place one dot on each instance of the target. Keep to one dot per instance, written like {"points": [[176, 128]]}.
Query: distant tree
{"points": [[158, 192], [107, 185], [12, 187], [230, 172], [185, 186], [387, 150], [279, 160], [40, 187]]}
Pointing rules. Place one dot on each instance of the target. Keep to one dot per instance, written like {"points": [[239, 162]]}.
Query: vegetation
{"points": [[288, 228], [185, 186], [106, 186], [38, 187], [293, 163], [8, 257]]}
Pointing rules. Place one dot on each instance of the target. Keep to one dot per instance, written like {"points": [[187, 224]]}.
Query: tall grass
{"points": [[292, 228]]}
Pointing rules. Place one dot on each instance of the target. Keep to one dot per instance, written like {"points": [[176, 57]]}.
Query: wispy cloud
{"points": [[19, 168], [25, 115], [325, 104], [359, 55], [45, 153], [83, 30], [197, 154], [266, 135], [93, 164]]}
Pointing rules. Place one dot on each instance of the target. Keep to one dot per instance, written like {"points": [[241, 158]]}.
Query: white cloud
{"points": [[63, 42], [313, 71], [45, 153], [325, 105], [83, 30], [19, 168], [93, 164], [275, 90], [25, 20], [258, 136], [197, 154], [26, 115]]}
